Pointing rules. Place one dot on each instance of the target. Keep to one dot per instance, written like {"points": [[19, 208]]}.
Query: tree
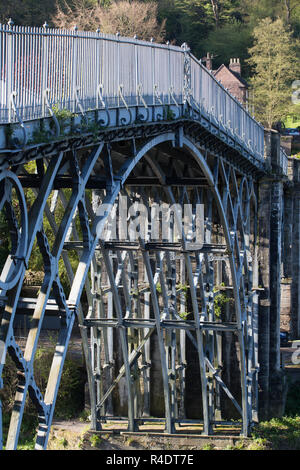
{"points": [[216, 11], [127, 18], [191, 21], [231, 40], [27, 12], [254, 11], [187, 21], [274, 62], [290, 8]]}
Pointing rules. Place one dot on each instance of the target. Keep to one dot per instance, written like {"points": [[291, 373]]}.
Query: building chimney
{"points": [[235, 65], [208, 61]]}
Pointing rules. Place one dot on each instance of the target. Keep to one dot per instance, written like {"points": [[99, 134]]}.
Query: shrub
{"points": [[70, 398]]}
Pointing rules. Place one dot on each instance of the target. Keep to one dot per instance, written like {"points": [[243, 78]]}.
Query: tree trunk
{"points": [[216, 11], [288, 11]]}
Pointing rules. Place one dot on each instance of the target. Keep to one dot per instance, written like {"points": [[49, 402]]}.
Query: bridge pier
{"points": [[290, 311], [271, 215]]}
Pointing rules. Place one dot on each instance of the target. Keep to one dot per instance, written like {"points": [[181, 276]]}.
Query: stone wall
{"points": [[290, 271], [270, 223]]}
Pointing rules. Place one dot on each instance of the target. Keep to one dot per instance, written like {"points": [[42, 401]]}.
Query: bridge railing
{"points": [[72, 64], [81, 71], [218, 102]]}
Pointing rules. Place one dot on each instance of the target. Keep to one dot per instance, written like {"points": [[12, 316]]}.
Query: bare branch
{"points": [[127, 18]]}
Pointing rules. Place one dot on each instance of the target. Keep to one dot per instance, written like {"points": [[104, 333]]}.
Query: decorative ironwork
{"points": [[147, 291]]}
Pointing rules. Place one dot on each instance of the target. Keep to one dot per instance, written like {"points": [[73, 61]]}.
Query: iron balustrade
{"points": [[81, 71]]}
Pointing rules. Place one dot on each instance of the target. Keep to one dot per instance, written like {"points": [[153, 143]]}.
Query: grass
{"points": [[28, 431], [252, 444], [95, 440], [280, 433], [275, 434], [208, 447]]}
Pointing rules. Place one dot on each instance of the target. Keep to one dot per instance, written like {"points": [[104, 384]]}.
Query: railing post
{"points": [[10, 69], [45, 48], [74, 68], [118, 69], [153, 69], [98, 55], [186, 73], [169, 73], [136, 70]]}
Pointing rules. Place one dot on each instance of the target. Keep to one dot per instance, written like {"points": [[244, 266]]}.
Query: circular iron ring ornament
{"points": [[16, 260]]}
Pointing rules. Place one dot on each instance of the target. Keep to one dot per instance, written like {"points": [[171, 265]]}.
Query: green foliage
{"points": [[70, 399], [182, 287], [95, 440], [27, 12], [292, 407], [220, 300], [230, 40], [253, 11], [63, 442], [279, 433], [5, 244], [40, 137], [63, 116], [208, 447], [8, 133], [168, 113], [81, 443], [84, 416], [186, 21], [258, 443], [191, 20], [184, 315], [274, 62]]}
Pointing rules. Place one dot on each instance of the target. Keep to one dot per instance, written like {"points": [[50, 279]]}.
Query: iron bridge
{"points": [[88, 120]]}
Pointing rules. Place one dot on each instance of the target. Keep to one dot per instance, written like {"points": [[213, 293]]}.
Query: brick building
{"points": [[230, 77]]}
